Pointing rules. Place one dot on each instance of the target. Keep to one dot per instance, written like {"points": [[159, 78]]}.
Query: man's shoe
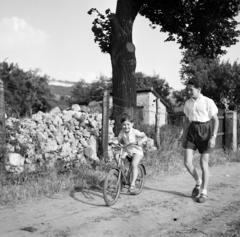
{"points": [[202, 198], [196, 191]]}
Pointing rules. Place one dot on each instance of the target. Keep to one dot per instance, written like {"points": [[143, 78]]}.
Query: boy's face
{"points": [[126, 126], [193, 92]]}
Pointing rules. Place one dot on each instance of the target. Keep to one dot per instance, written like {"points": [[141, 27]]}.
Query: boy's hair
{"points": [[195, 82], [126, 117]]}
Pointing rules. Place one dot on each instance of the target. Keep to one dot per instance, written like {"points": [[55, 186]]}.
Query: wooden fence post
{"points": [[231, 130], [2, 122], [157, 124], [105, 124]]}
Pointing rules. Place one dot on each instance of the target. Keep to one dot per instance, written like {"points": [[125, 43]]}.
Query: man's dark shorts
{"points": [[198, 136]]}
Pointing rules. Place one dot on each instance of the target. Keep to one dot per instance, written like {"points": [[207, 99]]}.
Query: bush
{"points": [[169, 135]]}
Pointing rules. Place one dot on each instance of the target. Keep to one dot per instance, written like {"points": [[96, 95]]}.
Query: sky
{"points": [[55, 37]]}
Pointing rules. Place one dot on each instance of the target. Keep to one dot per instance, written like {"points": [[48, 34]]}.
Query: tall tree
{"points": [[203, 25]]}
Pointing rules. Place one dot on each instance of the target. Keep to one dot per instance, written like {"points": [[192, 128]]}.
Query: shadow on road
{"points": [[168, 191], [90, 196]]}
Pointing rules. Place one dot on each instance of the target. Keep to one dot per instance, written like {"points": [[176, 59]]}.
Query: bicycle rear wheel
{"points": [[112, 187]]}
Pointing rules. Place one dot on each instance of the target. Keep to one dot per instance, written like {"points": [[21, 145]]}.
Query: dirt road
{"points": [[164, 208]]}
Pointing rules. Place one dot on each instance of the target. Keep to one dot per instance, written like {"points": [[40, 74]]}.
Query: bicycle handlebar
{"points": [[120, 146]]}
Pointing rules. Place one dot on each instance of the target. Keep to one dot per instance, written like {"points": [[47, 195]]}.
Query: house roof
{"points": [[151, 89]]}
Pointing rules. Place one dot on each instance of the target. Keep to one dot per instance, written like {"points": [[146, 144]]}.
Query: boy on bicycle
{"points": [[130, 135]]}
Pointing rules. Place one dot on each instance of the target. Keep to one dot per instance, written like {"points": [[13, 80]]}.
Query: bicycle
{"points": [[119, 177]]}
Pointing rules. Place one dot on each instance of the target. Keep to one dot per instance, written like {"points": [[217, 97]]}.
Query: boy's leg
{"points": [[205, 176], [135, 161], [188, 162], [205, 170]]}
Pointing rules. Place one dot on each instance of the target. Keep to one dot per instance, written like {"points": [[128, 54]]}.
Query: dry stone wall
{"points": [[44, 139]]}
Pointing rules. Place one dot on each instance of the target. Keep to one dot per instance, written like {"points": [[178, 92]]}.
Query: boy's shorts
{"points": [[198, 136]]}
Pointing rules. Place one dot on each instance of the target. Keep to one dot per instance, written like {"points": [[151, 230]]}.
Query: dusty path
{"points": [[163, 209]]}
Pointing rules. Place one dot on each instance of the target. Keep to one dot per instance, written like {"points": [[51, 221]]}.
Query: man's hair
{"points": [[126, 117], [194, 82]]}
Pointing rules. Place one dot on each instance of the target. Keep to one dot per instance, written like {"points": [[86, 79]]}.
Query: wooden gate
{"points": [[228, 130], [220, 135]]}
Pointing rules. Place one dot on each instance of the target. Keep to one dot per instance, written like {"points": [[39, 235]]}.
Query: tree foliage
{"points": [[220, 79], [203, 25], [83, 92], [158, 84], [26, 92]]}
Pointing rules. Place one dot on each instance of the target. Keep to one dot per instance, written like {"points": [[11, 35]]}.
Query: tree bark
{"points": [[123, 59]]}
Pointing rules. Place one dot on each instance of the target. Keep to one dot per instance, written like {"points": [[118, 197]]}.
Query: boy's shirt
{"points": [[201, 110], [132, 137]]}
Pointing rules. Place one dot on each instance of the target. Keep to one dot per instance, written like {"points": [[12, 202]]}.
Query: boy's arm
{"points": [[142, 138], [184, 131], [215, 125], [212, 141], [120, 138]]}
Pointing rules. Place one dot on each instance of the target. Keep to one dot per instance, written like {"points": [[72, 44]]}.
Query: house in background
{"points": [[147, 100]]}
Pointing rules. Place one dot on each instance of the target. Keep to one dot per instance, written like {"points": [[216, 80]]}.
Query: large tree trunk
{"points": [[123, 59]]}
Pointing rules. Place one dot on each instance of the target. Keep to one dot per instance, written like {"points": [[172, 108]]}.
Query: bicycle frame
{"points": [[119, 177], [120, 159]]}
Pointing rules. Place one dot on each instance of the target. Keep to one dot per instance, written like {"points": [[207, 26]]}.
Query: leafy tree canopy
{"points": [[158, 84], [83, 92], [25, 92], [203, 25], [220, 79]]}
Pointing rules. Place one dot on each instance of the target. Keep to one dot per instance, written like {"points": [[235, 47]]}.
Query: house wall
{"points": [[148, 102], [143, 100], [163, 113]]}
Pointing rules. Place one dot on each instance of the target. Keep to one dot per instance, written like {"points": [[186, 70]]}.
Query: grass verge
{"points": [[20, 188]]}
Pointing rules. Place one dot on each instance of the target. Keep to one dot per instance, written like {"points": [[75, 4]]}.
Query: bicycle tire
{"points": [[112, 187], [140, 180]]}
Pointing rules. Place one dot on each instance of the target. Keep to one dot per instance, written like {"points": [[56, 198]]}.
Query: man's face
{"points": [[193, 92]]}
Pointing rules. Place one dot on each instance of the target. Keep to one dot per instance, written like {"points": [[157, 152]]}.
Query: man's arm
{"points": [[212, 140]]}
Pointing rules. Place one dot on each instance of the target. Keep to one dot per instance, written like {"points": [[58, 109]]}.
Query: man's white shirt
{"points": [[201, 110]]}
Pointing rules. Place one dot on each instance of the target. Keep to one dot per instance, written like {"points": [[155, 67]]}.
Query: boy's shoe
{"points": [[202, 198], [196, 191], [132, 189]]}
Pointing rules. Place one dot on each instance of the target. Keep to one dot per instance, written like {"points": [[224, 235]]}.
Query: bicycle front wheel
{"points": [[112, 187]]}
